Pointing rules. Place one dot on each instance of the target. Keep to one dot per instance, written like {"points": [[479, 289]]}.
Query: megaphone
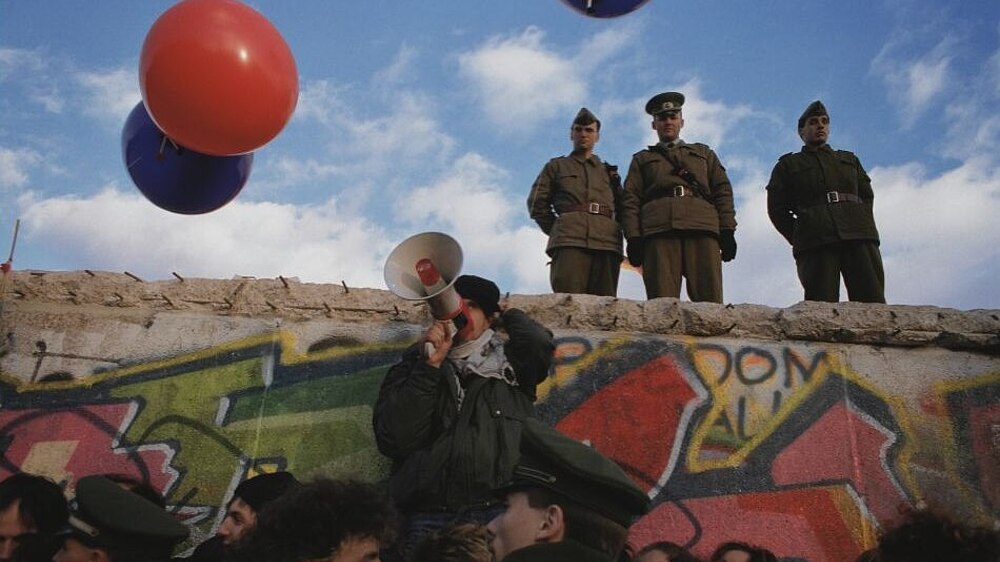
{"points": [[424, 267]]}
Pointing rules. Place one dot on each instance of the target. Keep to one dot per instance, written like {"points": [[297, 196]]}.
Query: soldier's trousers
{"points": [[578, 270], [859, 261], [696, 257]]}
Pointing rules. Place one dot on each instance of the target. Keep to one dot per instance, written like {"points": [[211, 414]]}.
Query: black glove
{"points": [[634, 251], [727, 243]]}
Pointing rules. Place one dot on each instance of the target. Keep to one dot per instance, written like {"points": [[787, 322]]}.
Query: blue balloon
{"points": [[175, 178], [604, 8]]}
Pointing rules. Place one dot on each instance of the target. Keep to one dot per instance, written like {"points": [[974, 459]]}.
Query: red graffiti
{"points": [[72, 443], [634, 419]]}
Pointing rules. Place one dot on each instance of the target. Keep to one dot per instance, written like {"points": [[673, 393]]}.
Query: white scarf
{"points": [[481, 357]]}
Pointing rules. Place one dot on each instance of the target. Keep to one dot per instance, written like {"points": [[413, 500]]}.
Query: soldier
{"points": [[112, 524], [566, 501], [820, 200], [678, 210], [574, 200]]}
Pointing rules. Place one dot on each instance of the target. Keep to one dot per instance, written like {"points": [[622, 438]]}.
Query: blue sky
{"points": [[418, 116]]}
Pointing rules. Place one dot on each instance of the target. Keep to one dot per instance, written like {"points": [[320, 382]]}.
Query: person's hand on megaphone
{"points": [[438, 340]]}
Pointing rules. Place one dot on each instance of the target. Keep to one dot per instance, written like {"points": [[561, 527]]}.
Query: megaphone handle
{"points": [[429, 348]]}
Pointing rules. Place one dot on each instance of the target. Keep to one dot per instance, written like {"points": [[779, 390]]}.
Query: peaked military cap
{"points": [[567, 467], [815, 108], [263, 488], [585, 117], [107, 515], [666, 101]]}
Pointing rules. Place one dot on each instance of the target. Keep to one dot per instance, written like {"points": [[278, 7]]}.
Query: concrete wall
{"points": [[801, 429]]}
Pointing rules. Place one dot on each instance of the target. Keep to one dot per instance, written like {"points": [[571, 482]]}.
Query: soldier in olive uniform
{"points": [[677, 210], [574, 200], [112, 524], [565, 502], [820, 200]]}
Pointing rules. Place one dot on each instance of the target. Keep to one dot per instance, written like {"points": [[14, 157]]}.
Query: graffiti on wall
{"points": [[782, 445]]}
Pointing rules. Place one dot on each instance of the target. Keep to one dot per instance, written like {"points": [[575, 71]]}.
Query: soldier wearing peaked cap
{"points": [[565, 501], [821, 201], [112, 524], [575, 202], [677, 210]]}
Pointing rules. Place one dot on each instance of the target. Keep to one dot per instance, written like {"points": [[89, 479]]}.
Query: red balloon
{"points": [[217, 77]]}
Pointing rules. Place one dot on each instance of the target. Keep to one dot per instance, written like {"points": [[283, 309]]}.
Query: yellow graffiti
{"points": [[565, 373]]}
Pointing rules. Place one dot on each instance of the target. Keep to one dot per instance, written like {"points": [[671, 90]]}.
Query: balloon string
{"points": [[163, 145]]}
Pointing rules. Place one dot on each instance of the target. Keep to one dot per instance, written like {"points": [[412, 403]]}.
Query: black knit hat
{"points": [[261, 489], [483, 292]]}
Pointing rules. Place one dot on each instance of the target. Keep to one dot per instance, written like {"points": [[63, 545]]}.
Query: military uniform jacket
{"points": [[444, 457], [571, 182], [799, 205], [645, 212]]}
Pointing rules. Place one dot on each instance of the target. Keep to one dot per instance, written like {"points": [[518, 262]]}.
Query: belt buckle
{"points": [[678, 191], [832, 197], [594, 208]]}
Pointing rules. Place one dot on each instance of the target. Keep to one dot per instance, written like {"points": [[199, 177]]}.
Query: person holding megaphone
{"points": [[449, 413]]}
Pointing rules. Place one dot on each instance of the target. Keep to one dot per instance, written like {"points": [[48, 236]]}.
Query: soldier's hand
{"points": [[633, 250], [727, 243]]}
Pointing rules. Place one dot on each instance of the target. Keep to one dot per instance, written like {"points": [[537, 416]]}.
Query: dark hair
{"points": [[674, 551], [583, 525], [925, 536], [41, 506], [757, 553], [463, 542], [139, 487], [314, 519]]}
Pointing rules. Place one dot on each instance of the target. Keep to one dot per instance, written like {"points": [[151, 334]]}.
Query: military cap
{"points": [[815, 108], [666, 101], [585, 117], [107, 515], [261, 489], [483, 292], [567, 467]]}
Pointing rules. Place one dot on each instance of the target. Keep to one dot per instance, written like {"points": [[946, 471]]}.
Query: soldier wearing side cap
{"points": [[677, 210], [575, 202], [112, 524], [565, 501], [821, 201]]}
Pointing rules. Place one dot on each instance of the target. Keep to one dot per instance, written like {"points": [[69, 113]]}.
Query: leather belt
{"points": [[671, 191], [592, 208], [831, 197]]}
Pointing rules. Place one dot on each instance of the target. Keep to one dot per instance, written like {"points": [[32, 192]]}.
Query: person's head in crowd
{"points": [[248, 499], [737, 551], [482, 299], [137, 486], [565, 491], [664, 551], [464, 542], [32, 509], [926, 536], [111, 524], [325, 520]]}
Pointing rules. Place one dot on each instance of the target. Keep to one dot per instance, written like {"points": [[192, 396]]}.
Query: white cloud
{"points": [[518, 81], [469, 202], [110, 95], [14, 166], [316, 243], [913, 83], [29, 70], [401, 69]]}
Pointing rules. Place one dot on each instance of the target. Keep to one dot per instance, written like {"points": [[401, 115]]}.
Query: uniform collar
{"points": [[822, 148], [594, 158], [672, 144]]}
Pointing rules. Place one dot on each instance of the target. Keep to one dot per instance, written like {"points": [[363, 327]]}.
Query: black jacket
{"points": [[446, 458]]}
